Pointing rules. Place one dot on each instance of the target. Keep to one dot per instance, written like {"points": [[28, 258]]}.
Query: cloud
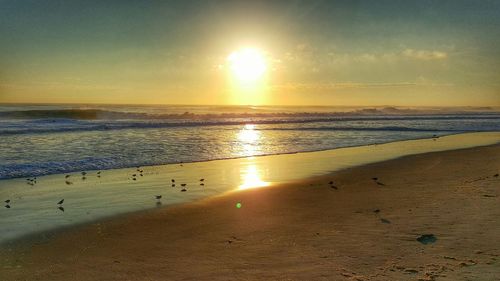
{"points": [[336, 58], [421, 81], [341, 85], [424, 54]]}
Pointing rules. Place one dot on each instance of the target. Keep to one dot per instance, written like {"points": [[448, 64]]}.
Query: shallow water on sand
{"points": [[93, 196]]}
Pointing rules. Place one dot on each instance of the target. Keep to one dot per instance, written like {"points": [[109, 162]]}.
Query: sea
{"points": [[44, 139]]}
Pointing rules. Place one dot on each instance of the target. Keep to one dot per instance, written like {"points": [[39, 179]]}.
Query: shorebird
{"points": [[183, 184], [84, 173], [173, 180], [7, 206], [61, 208], [385, 220], [134, 175], [202, 179], [67, 176], [60, 202], [495, 175], [68, 183], [202, 184], [375, 179], [158, 197], [173, 185], [331, 182], [183, 190], [7, 201]]}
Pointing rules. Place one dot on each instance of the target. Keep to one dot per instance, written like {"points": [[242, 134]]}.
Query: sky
{"points": [[372, 53]]}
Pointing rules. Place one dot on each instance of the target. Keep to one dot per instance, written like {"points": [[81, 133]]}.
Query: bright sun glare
{"points": [[247, 64]]}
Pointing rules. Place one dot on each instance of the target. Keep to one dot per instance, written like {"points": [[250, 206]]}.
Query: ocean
{"points": [[40, 140]]}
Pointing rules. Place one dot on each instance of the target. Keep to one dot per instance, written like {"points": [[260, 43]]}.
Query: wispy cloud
{"points": [[425, 54], [340, 85], [356, 85]]}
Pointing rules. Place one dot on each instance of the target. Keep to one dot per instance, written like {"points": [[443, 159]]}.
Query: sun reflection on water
{"points": [[251, 174], [249, 139]]}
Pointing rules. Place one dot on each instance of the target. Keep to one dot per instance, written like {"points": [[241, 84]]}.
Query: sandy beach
{"points": [[249, 140], [357, 228]]}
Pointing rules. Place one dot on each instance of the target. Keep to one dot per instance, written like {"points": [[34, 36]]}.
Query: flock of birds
{"points": [[140, 173], [134, 177]]}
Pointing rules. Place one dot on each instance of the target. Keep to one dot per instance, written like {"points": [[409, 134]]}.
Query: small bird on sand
{"points": [[385, 220], [134, 179], [69, 183], [158, 197], [134, 175], [60, 202], [84, 173], [331, 182], [495, 175], [375, 179], [334, 187], [7, 201], [61, 208], [376, 211], [183, 184], [202, 179], [183, 190], [173, 180], [202, 184], [173, 185], [7, 206], [67, 176], [379, 183]]}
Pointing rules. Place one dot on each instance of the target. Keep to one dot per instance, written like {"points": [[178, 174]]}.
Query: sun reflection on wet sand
{"points": [[251, 177]]}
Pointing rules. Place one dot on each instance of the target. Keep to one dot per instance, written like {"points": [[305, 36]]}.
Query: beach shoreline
{"points": [[308, 229], [116, 193]]}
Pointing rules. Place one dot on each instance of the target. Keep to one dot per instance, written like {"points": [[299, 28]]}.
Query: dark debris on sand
{"points": [[427, 239]]}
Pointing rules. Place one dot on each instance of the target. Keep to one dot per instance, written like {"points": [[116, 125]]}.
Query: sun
{"points": [[247, 65]]}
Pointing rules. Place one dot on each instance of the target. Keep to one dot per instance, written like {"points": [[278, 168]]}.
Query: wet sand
{"points": [[357, 228], [90, 196]]}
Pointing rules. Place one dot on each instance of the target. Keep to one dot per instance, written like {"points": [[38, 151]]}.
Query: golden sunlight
{"points": [[249, 139], [247, 65], [247, 70], [251, 178]]}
